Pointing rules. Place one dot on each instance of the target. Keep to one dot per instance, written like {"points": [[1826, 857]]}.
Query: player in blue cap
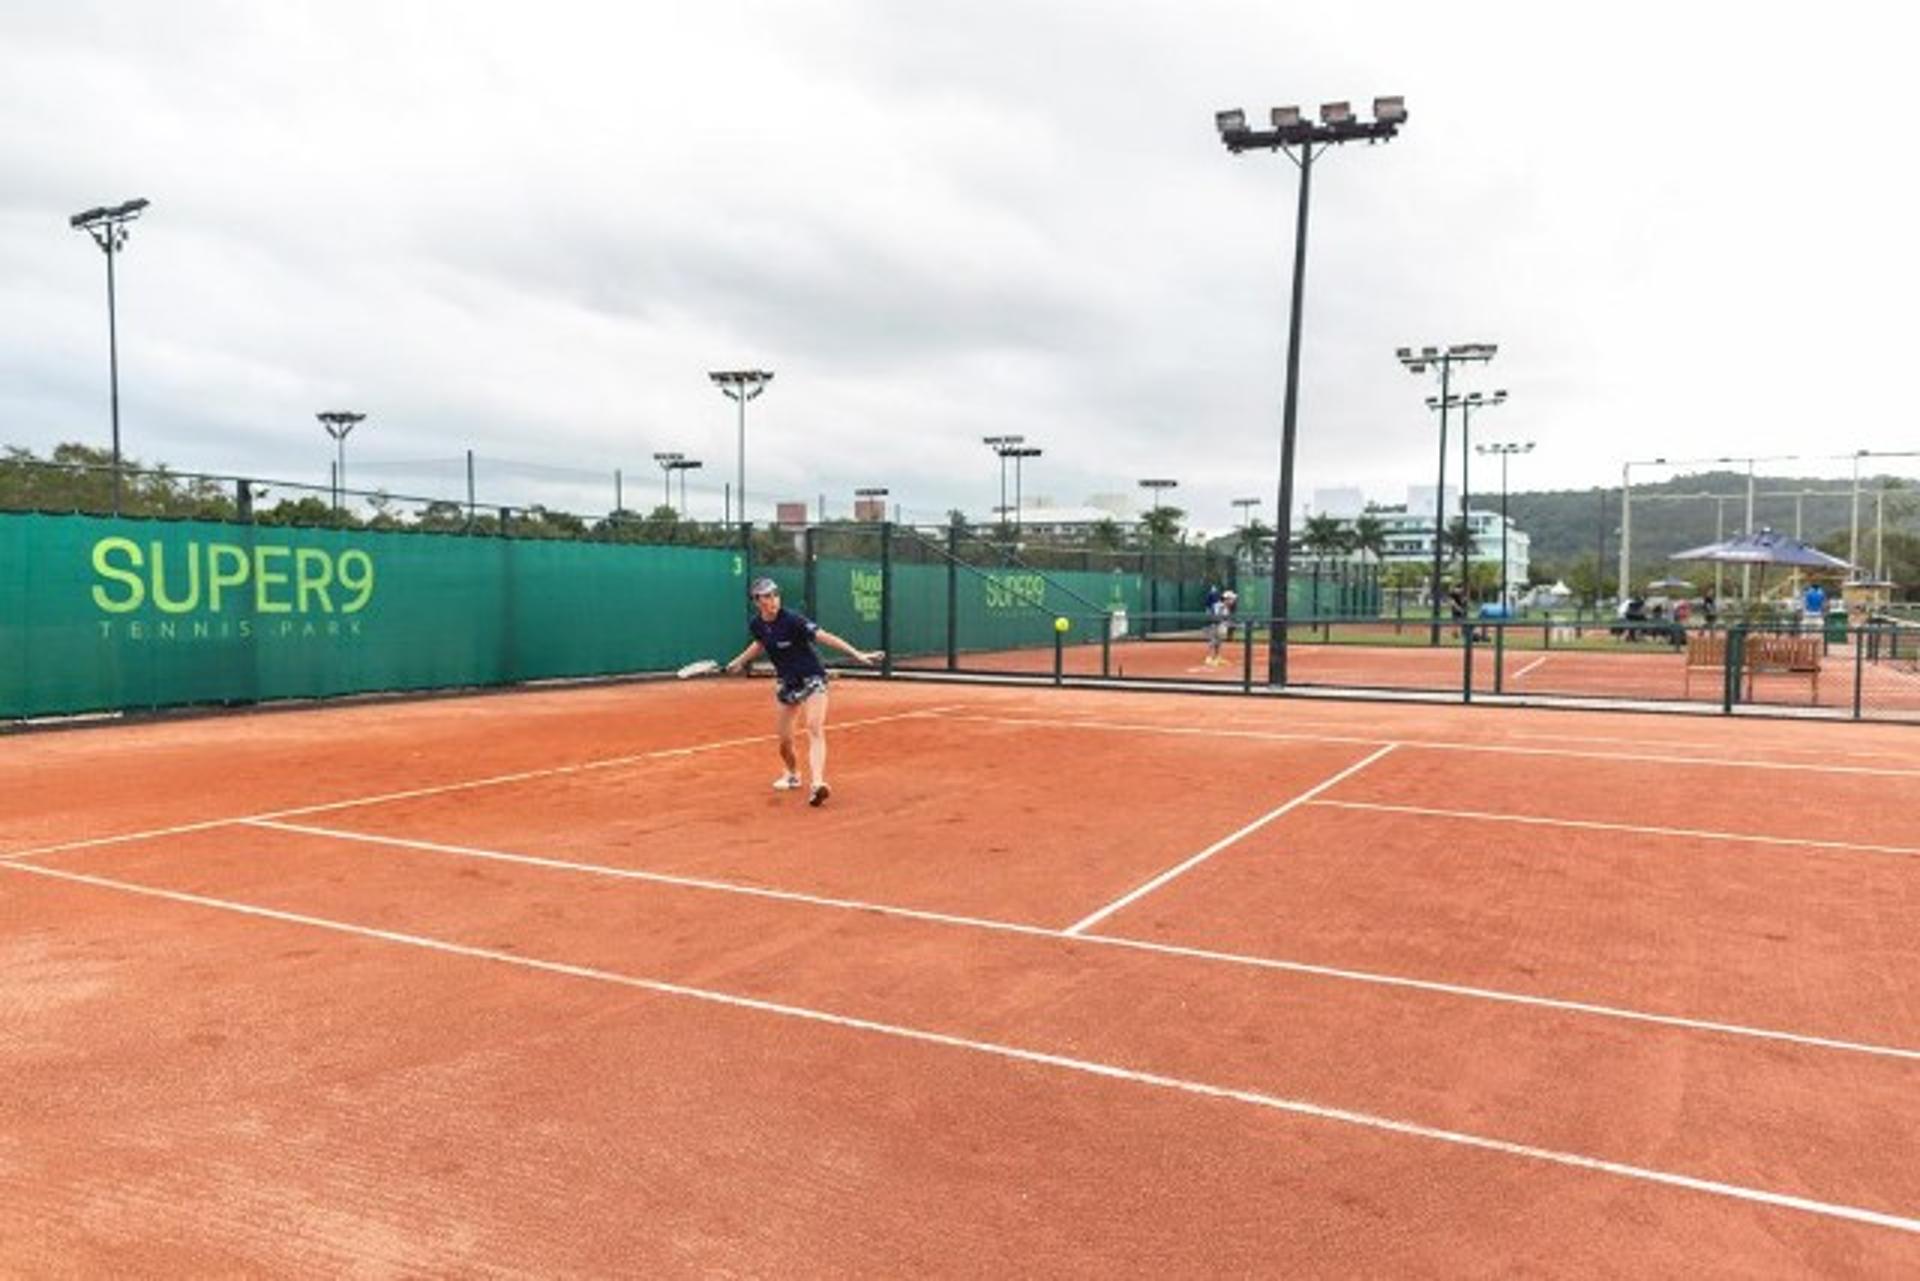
{"points": [[787, 638]]}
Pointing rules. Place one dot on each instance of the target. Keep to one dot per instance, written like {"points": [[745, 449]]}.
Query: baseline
{"points": [[1013, 1053], [441, 788]]}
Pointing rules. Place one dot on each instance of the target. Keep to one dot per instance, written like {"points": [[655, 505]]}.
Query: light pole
{"points": [[340, 422], [108, 227], [683, 466], [1000, 445], [865, 497], [1017, 453], [1246, 506], [1442, 359], [1300, 140], [666, 462], [740, 386], [1506, 449], [1466, 405]]}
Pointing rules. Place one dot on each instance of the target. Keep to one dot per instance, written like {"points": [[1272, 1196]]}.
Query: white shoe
{"points": [[787, 783]]}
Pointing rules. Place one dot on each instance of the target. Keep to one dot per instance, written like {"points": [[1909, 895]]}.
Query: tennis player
{"points": [[787, 638]]}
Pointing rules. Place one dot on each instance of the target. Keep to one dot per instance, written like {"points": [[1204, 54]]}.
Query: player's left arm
{"points": [[866, 657]]}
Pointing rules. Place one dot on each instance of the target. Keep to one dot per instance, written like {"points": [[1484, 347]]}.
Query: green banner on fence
{"points": [[99, 614]]}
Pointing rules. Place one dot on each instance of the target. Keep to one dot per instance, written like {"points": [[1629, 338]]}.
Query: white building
{"points": [[1410, 538]]}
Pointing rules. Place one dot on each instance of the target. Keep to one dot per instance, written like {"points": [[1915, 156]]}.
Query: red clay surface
{"points": [[199, 1090]]}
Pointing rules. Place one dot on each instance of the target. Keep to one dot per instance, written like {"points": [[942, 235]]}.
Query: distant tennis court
{"points": [[1104, 983]]}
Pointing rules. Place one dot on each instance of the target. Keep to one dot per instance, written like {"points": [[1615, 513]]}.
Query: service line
{"points": [[1019, 1054]]}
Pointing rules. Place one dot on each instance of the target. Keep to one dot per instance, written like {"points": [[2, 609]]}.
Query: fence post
{"points": [[809, 550], [953, 596], [1106, 645], [1500, 657], [243, 499], [886, 598]]}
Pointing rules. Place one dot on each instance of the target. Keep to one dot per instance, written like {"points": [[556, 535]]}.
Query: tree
{"points": [[1259, 538], [1369, 536], [1105, 534], [1323, 536], [1163, 525]]}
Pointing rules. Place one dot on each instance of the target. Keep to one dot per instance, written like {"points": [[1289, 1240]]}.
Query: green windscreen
{"points": [[99, 613]]}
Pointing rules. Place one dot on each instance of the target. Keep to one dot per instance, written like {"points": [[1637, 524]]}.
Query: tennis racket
{"points": [[698, 667]]}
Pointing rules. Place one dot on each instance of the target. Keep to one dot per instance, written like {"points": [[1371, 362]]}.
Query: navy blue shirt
{"points": [[788, 640]]}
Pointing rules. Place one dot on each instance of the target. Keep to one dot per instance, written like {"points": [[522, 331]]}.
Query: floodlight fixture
{"points": [[1285, 117], [1390, 111], [1234, 121], [1336, 113]]}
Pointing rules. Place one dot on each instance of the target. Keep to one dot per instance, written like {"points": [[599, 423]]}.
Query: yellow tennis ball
{"points": [[1061, 624]]}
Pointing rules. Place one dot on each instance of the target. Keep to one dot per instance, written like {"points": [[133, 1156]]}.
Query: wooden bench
{"points": [[1706, 651], [1764, 656], [1784, 656]]}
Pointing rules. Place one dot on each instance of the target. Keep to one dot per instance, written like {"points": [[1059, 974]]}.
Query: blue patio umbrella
{"points": [[1764, 547]]}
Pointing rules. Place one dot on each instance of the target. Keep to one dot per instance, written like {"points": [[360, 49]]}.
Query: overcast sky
{"points": [[531, 229]]}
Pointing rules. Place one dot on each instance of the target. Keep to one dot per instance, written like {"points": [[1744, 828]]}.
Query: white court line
{"points": [[1530, 666], [1095, 918], [1040, 1058], [1110, 940], [1431, 744], [1639, 829], [442, 788]]}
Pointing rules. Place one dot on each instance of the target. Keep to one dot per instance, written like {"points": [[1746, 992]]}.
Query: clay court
{"points": [[1058, 982]]}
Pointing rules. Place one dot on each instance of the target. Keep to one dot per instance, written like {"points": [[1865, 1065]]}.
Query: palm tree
{"points": [[1163, 524], [1369, 536], [1324, 536]]}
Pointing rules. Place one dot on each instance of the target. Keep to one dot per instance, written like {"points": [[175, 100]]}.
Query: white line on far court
{"points": [[495, 780], [1638, 829], [1431, 986], [1427, 744], [1095, 918], [1530, 666], [1018, 1054]]}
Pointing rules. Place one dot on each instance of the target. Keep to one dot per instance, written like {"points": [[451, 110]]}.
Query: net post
{"points": [[1859, 668], [1246, 657], [1106, 645], [886, 597], [1730, 673], [1059, 653], [953, 595], [1466, 660]]}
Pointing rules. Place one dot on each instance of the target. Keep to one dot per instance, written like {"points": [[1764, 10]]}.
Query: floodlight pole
{"points": [[108, 227], [1418, 362], [1001, 445], [1290, 131], [1466, 405], [666, 462], [1017, 453], [740, 386], [339, 423], [1506, 450]]}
